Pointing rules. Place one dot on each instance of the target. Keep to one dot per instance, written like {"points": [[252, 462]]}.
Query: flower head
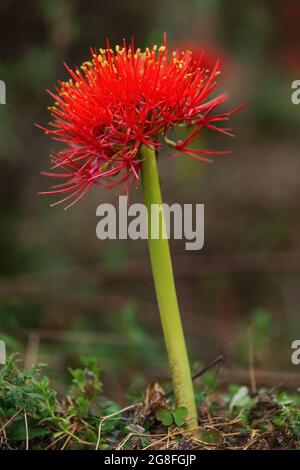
{"points": [[124, 98]]}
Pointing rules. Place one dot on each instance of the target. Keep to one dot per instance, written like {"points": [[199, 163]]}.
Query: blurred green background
{"points": [[63, 293]]}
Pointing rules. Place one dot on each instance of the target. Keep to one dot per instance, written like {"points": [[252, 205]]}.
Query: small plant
{"points": [[26, 402], [86, 388], [30, 410], [176, 416]]}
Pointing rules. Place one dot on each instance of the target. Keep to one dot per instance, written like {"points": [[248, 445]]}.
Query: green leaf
{"points": [[210, 437], [90, 436], [283, 398], [165, 416], [241, 399], [179, 415], [17, 431]]}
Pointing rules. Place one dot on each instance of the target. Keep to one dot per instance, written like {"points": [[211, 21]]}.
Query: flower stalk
{"points": [[166, 292]]}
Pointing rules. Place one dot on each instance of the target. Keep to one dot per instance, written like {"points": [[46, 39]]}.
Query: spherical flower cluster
{"points": [[122, 99]]}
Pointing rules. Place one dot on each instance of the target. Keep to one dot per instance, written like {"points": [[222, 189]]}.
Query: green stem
{"points": [[166, 292]]}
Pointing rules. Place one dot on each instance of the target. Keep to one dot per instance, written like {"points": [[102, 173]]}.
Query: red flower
{"points": [[120, 100]]}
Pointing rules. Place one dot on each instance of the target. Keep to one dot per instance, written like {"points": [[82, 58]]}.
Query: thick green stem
{"points": [[166, 292]]}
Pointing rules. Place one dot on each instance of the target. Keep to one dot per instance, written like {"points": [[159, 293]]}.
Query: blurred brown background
{"points": [[63, 293]]}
